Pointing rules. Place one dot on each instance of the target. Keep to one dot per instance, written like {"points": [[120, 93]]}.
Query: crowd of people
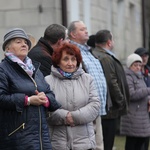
{"points": [[67, 91]]}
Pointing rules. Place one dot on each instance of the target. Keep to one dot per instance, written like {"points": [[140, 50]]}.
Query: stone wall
{"points": [[31, 15], [122, 17]]}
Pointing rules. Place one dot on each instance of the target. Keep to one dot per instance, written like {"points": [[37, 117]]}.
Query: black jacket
{"points": [[42, 53], [23, 127]]}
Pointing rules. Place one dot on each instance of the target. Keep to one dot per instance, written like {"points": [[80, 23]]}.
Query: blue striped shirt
{"points": [[94, 68]]}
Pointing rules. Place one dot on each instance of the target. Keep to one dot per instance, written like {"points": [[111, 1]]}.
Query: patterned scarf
{"points": [[26, 65], [65, 74]]}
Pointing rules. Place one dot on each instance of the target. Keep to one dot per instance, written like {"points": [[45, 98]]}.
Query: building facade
{"points": [[126, 19]]}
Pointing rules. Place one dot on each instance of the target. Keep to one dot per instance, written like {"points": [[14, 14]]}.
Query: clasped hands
{"points": [[38, 99], [69, 120]]}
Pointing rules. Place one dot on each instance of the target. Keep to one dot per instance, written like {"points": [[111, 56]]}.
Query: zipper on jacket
{"points": [[39, 117], [30, 78], [40, 129], [21, 126], [33, 82]]}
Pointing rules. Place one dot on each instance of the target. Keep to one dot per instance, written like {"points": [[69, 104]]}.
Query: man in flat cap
{"points": [[143, 52]]}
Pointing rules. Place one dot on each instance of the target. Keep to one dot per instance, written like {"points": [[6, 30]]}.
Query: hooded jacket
{"points": [[77, 95], [23, 127]]}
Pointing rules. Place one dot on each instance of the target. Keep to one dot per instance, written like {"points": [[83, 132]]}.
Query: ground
{"points": [[119, 143]]}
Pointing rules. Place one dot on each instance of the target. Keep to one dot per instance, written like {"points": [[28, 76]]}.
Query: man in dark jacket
{"points": [[54, 36], [118, 94]]}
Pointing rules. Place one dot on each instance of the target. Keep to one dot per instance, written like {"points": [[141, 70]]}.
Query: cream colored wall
{"points": [[124, 22], [26, 14], [122, 17]]}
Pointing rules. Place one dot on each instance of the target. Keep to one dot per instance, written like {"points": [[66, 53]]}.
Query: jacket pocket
{"points": [[22, 126]]}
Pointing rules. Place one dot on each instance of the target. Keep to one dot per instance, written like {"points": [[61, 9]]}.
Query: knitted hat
{"points": [[141, 51], [132, 58], [15, 33]]}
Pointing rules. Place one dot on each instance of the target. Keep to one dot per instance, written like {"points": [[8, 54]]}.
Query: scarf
{"points": [[65, 74], [26, 64]]}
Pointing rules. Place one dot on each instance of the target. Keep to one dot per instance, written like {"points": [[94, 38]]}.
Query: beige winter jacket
{"points": [[77, 95]]}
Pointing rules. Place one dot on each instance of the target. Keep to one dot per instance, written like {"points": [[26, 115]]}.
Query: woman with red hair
{"points": [[72, 124]]}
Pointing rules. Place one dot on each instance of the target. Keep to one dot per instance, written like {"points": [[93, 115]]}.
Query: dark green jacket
{"points": [[118, 93]]}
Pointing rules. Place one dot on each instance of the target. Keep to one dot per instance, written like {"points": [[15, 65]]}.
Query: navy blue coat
{"points": [[23, 127]]}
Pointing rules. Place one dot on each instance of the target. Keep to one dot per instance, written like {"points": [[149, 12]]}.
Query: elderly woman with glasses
{"points": [[72, 125], [25, 97], [136, 124]]}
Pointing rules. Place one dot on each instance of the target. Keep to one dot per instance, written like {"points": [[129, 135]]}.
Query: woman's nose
{"points": [[69, 62], [24, 44], [139, 68]]}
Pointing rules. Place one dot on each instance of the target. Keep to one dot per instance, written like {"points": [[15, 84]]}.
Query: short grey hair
{"points": [[55, 32], [72, 27]]}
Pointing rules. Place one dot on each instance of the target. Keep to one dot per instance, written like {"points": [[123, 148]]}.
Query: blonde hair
{"points": [[32, 39]]}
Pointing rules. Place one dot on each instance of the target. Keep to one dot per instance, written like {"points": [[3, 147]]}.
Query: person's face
{"points": [[68, 63], [66, 37], [145, 58], [111, 43], [60, 42], [80, 35], [18, 47], [136, 67]]}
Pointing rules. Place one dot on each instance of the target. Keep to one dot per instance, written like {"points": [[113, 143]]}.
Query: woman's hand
{"points": [[38, 99], [69, 119]]}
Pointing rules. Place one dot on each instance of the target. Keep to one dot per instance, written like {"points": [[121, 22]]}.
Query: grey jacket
{"points": [[137, 121], [79, 96]]}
